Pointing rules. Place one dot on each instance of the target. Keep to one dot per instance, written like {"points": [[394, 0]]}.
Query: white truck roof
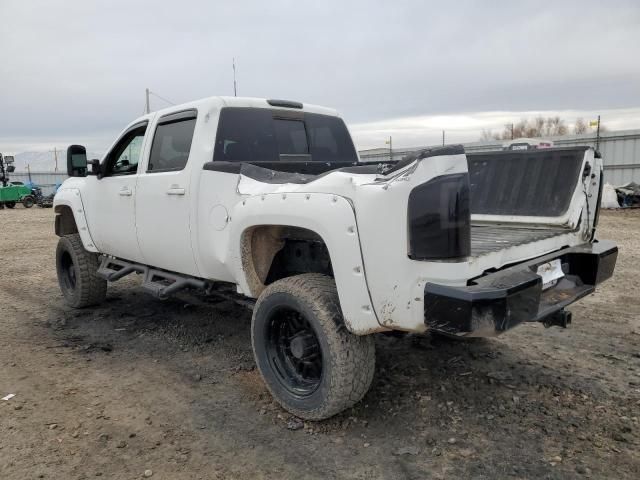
{"points": [[246, 102]]}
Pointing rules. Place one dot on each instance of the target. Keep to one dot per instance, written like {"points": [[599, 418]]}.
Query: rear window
{"points": [[264, 135], [291, 137]]}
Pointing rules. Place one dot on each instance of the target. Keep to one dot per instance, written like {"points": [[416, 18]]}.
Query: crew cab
{"points": [[270, 196]]}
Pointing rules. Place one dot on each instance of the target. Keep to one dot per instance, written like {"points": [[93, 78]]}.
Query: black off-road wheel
{"points": [[11, 204], [312, 365], [28, 201], [76, 269]]}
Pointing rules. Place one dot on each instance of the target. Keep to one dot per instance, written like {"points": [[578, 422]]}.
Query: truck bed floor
{"points": [[492, 238]]}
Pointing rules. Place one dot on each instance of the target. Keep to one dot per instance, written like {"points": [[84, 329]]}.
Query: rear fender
{"points": [[329, 216]]}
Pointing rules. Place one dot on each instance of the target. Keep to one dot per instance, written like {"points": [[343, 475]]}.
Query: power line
{"points": [[162, 98], [147, 104]]}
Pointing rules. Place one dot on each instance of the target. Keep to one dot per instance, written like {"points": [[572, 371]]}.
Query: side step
{"points": [[159, 283]]}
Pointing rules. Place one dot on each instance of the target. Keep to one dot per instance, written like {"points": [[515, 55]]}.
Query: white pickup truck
{"points": [[270, 196]]}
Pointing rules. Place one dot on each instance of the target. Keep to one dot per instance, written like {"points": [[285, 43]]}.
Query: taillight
{"points": [[439, 218]]}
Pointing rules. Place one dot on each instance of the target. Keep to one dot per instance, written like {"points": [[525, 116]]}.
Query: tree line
{"points": [[537, 127]]}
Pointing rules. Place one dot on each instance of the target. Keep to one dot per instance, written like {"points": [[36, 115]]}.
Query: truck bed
{"points": [[486, 239]]}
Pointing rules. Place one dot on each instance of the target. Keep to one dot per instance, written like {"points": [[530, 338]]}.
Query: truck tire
{"points": [[11, 204], [312, 365], [76, 269], [28, 201]]}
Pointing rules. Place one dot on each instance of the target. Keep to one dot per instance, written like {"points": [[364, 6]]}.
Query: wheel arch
{"points": [[70, 217], [273, 252], [262, 223], [65, 221]]}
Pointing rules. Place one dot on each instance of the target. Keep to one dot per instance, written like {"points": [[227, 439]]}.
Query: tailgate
{"points": [[546, 187], [528, 203]]}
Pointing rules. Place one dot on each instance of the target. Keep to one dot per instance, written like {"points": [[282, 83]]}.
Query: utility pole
{"points": [[235, 88], [29, 173], [443, 138], [390, 143], [512, 131], [55, 156], [147, 108], [598, 135]]}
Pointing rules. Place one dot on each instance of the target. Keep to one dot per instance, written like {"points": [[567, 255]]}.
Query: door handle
{"points": [[125, 192], [175, 191]]}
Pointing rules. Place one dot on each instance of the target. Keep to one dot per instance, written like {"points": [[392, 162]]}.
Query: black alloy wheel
{"points": [[294, 352], [67, 271]]}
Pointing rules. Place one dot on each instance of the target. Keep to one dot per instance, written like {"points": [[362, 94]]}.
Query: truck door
{"points": [[109, 202], [163, 210]]}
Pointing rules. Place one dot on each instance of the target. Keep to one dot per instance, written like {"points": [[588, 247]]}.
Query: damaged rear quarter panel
{"points": [[330, 216], [396, 282]]}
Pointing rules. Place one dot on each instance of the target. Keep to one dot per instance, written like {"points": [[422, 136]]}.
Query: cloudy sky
{"points": [[76, 70]]}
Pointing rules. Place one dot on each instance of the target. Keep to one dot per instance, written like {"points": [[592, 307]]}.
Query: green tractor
{"points": [[12, 193]]}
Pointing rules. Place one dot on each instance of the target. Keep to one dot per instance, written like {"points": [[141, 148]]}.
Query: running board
{"points": [[159, 283]]}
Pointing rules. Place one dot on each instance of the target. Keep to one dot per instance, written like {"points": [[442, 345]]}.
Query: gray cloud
{"points": [[78, 69]]}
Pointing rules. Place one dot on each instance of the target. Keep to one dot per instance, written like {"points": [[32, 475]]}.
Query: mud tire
{"points": [[347, 360], [76, 269]]}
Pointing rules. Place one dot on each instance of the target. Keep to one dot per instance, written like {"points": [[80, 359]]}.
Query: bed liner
{"points": [[486, 239]]}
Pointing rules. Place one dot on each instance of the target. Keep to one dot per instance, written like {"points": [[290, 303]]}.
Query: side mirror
{"points": [[96, 168], [76, 161], [11, 168]]}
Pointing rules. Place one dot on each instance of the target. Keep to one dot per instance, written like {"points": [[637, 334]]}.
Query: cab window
{"points": [[172, 142], [125, 155]]}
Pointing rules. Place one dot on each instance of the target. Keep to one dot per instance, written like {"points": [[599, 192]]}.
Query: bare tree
{"points": [[538, 127], [555, 126], [529, 128], [580, 126], [488, 135]]}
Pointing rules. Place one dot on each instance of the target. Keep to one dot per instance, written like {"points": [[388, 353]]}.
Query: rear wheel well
{"points": [[273, 252], [65, 221]]}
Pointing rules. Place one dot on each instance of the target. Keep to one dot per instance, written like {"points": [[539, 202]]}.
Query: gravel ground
{"points": [[169, 389]]}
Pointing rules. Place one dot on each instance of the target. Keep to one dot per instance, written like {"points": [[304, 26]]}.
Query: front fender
{"points": [[70, 197], [329, 216]]}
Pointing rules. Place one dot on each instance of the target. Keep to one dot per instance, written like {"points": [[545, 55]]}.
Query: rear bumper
{"points": [[501, 300]]}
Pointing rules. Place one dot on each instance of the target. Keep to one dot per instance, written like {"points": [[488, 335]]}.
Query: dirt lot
{"points": [[171, 387]]}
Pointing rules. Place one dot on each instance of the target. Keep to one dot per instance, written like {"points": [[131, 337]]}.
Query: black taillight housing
{"points": [[439, 218]]}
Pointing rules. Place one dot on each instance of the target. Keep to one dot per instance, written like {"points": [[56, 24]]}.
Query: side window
{"points": [[125, 156], [172, 142]]}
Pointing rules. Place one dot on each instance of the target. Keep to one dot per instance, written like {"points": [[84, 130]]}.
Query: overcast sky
{"points": [[76, 70]]}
